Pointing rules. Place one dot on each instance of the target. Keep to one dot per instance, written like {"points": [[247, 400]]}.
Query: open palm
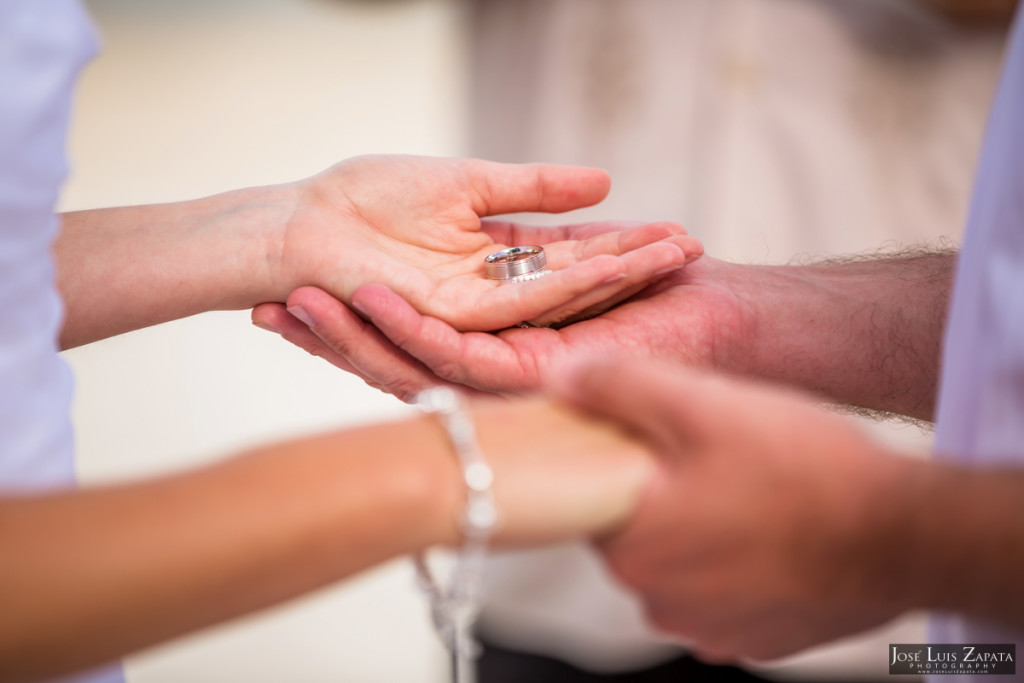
{"points": [[402, 351], [414, 225]]}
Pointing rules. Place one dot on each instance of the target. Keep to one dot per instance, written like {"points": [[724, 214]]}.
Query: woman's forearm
{"points": [[411, 223], [93, 575], [126, 268]]}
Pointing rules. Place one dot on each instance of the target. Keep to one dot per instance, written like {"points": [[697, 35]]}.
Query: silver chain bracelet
{"points": [[455, 608]]}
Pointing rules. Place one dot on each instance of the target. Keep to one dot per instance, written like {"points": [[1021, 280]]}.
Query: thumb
{"points": [[670, 405], [512, 188]]}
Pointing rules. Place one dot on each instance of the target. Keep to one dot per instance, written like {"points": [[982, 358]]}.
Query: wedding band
{"points": [[517, 264]]}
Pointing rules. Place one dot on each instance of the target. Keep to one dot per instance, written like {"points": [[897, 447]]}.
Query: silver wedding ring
{"points": [[517, 264]]}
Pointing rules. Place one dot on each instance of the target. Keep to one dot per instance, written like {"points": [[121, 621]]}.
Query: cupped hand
{"points": [[682, 319], [413, 224], [769, 525]]}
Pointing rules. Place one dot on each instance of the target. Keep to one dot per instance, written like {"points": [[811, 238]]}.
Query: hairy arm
{"points": [[864, 333], [92, 575]]}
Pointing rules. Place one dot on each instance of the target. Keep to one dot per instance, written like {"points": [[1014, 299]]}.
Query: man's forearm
{"points": [[956, 544], [863, 333], [125, 268]]}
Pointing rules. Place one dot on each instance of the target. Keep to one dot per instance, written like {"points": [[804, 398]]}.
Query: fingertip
{"points": [[642, 235], [650, 233], [274, 317], [263, 317], [659, 259], [674, 254], [582, 185], [593, 174], [562, 380], [576, 379], [692, 247], [266, 326], [372, 300], [307, 298], [550, 188]]}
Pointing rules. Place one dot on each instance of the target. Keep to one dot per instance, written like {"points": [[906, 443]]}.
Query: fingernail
{"points": [[301, 313], [666, 271], [362, 309], [268, 328], [614, 278]]}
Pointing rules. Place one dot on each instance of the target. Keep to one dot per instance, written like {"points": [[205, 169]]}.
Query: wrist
{"points": [[784, 314], [435, 489], [308, 238], [534, 447], [248, 231], [125, 268], [965, 546], [885, 558], [559, 474]]}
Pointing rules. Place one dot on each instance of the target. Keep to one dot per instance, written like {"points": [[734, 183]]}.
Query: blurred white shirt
{"points": [[981, 400], [43, 46]]}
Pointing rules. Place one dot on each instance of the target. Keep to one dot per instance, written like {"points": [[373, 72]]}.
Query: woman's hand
{"points": [[414, 225], [155, 559]]}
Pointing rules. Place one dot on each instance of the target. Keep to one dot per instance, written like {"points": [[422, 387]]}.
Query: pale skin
{"points": [[771, 525], [95, 574], [414, 224]]}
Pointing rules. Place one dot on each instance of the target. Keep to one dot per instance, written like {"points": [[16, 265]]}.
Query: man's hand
{"points": [[862, 333], [414, 225], [770, 526], [402, 352]]}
